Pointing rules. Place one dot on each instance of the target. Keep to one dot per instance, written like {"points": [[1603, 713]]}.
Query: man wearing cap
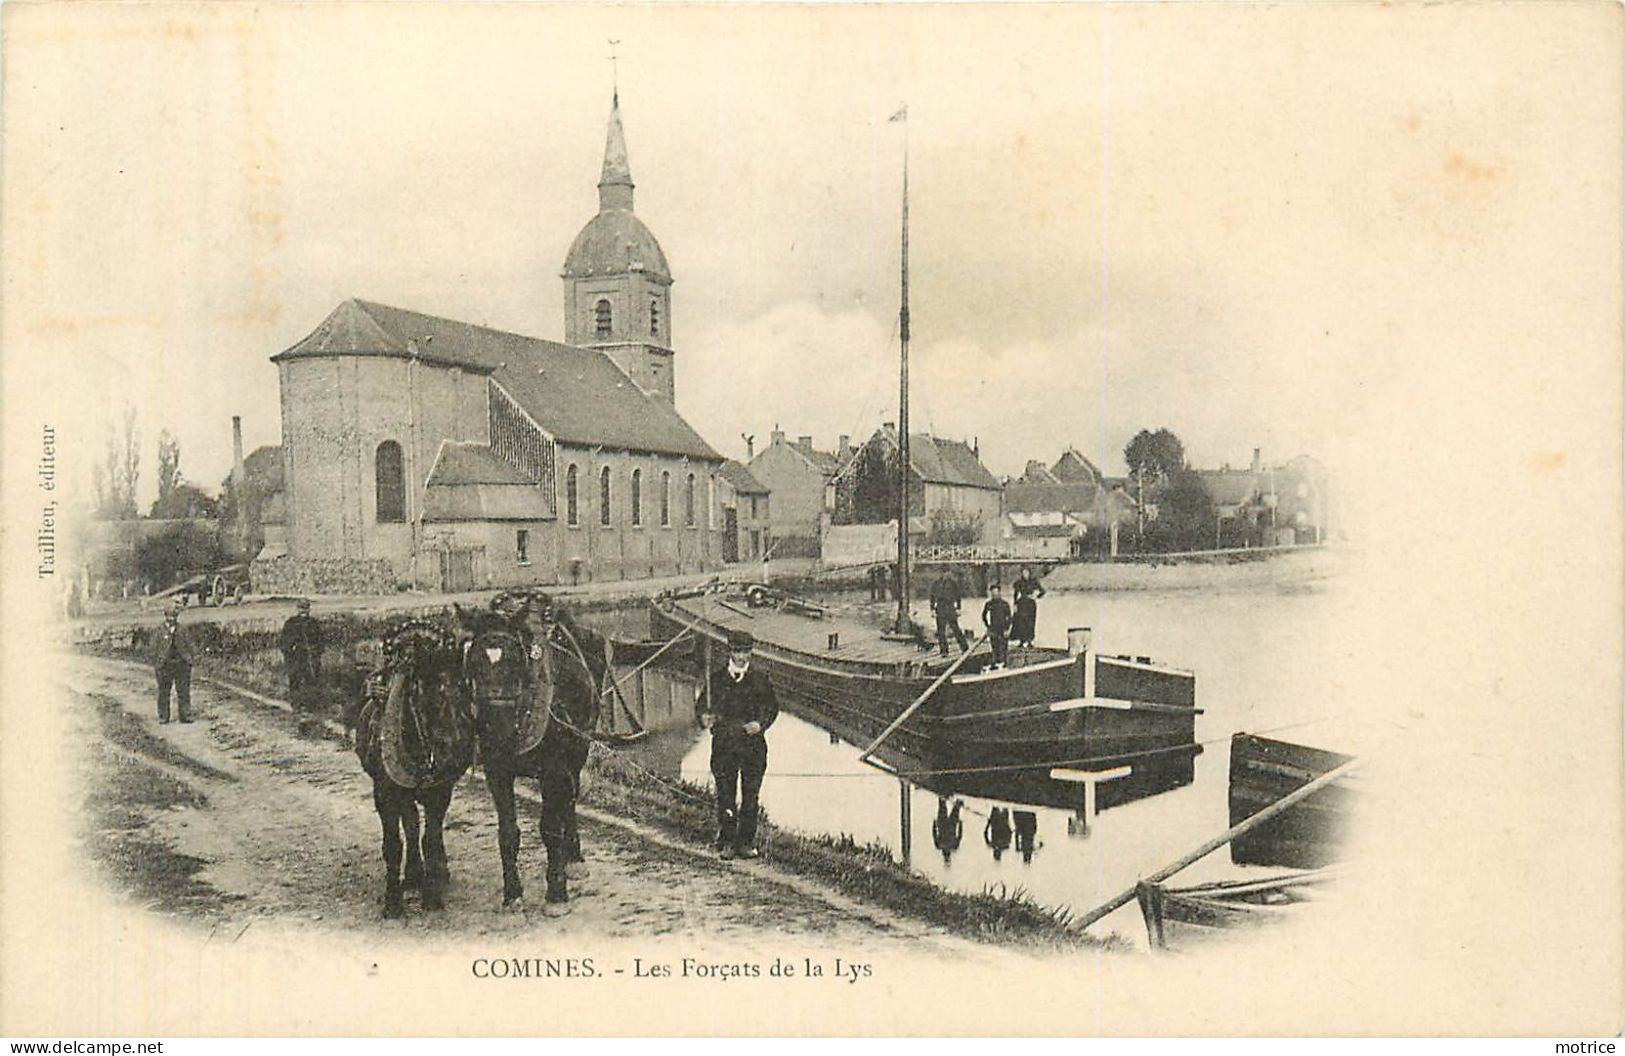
{"points": [[301, 643], [172, 661], [737, 705], [946, 596]]}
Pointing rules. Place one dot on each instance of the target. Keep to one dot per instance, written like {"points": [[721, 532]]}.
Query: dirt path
{"points": [[235, 819]]}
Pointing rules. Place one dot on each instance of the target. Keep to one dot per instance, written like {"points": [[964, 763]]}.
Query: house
{"points": [[802, 481], [949, 488], [1071, 493], [446, 455], [1274, 505], [746, 535]]}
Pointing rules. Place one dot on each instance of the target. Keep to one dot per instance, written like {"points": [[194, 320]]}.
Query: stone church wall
{"points": [[286, 574], [335, 413]]}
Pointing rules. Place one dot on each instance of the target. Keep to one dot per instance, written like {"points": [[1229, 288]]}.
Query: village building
{"points": [[802, 480], [952, 496], [746, 518], [1064, 509], [423, 451], [1262, 505]]}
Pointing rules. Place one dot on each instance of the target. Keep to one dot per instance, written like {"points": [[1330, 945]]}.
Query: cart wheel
{"points": [[237, 593], [217, 591]]}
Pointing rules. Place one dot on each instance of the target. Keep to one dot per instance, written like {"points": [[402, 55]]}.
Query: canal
{"points": [[1270, 661]]}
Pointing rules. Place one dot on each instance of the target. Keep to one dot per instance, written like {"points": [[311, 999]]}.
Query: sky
{"points": [[1261, 227]]}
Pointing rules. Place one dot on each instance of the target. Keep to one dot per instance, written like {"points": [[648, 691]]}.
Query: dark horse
{"points": [[415, 737], [536, 680]]}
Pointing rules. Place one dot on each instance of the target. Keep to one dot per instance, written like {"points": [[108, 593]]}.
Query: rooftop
{"points": [[577, 395]]}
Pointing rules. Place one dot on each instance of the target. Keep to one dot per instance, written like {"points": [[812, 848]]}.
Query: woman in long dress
{"points": [[1024, 627]]}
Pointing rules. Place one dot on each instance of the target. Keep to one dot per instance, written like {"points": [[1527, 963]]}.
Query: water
{"points": [[1265, 661]]}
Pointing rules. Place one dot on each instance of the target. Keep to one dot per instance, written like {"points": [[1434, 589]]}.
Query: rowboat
{"points": [[1179, 916], [1310, 834], [1048, 709]]}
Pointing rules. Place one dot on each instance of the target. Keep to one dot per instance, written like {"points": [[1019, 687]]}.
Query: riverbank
{"points": [[1232, 570], [678, 815]]}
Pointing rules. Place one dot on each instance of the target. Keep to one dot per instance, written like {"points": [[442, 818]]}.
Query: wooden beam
{"points": [[921, 699], [1245, 825]]}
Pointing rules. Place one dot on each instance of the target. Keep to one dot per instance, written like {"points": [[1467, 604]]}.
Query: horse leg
{"points": [[500, 781], [389, 816], [575, 862], [435, 872], [558, 804], [414, 850]]}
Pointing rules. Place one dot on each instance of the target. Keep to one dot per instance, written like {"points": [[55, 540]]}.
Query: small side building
{"points": [[746, 517], [802, 480]]}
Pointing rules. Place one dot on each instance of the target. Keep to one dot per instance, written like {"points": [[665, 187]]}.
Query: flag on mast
{"points": [[901, 115]]}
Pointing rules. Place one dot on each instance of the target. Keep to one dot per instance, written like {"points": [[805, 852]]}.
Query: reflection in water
{"points": [[1027, 834], [996, 833], [947, 830], [1263, 660]]}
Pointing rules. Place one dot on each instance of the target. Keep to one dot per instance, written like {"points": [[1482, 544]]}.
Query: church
{"points": [[425, 452]]}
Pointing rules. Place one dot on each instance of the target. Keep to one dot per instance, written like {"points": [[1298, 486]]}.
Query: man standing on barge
{"points": [[737, 705]]}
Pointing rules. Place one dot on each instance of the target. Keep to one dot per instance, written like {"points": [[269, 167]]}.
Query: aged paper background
{"points": [[1468, 169]]}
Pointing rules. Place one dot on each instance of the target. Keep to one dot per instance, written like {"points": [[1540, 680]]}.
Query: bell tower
{"points": [[617, 285]]}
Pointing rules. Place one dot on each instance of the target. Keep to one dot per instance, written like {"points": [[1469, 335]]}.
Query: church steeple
{"points": [[615, 184], [617, 285]]}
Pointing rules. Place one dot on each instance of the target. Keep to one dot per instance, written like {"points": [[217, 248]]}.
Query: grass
{"points": [[862, 871]]}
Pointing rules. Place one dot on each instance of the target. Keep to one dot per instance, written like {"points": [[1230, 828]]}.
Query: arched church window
{"points": [[572, 511], [637, 497], [603, 497], [654, 318], [602, 318], [688, 503], [390, 482], [665, 500]]}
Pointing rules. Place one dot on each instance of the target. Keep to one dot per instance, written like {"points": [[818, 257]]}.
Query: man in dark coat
{"points": [[947, 829], [996, 618], [301, 643], [945, 599], [737, 705], [172, 661]]}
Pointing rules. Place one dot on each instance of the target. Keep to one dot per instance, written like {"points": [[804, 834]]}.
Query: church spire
{"points": [[615, 184]]}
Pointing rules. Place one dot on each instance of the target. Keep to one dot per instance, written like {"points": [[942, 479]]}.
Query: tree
{"points": [[870, 493], [1158, 455], [169, 466], [116, 475], [1185, 514], [954, 528], [177, 552], [185, 502]]}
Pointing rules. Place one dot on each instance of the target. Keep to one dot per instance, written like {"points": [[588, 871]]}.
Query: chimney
{"points": [[846, 442], [778, 436], [237, 470], [239, 478], [976, 446], [892, 426], [1256, 453], [750, 448], [805, 443]]}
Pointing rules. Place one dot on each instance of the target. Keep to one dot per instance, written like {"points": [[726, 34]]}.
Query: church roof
{"points": [[578, 395], [470, 483], [472, 464], [613, 243]]}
